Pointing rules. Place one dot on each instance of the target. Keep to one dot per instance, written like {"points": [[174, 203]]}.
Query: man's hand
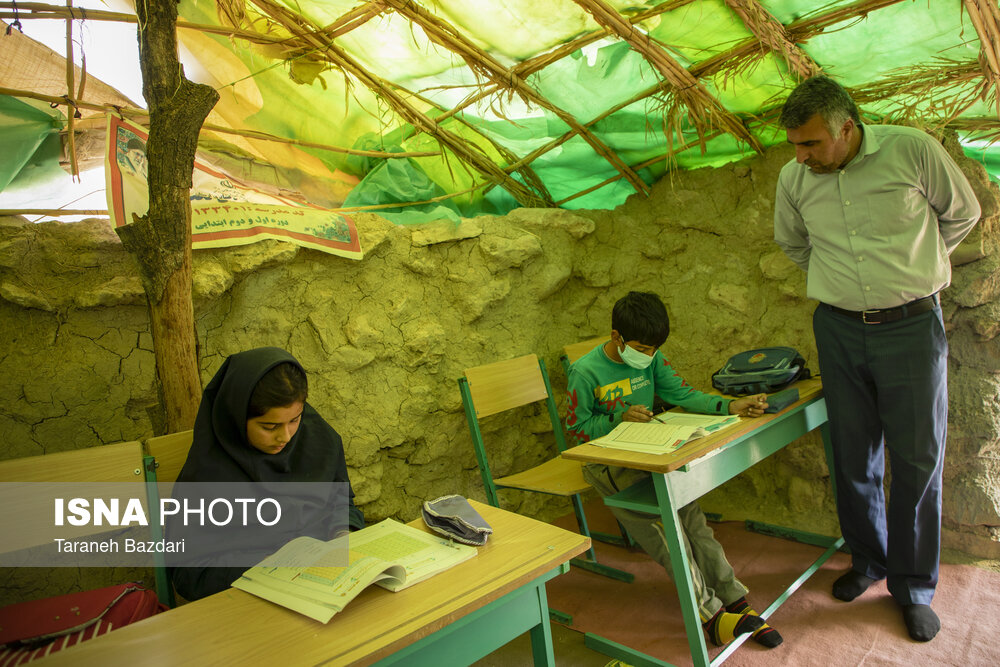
{"points": [[750, 406], [637, 413]]}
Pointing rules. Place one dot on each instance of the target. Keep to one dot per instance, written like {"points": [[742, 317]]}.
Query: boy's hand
{"points": [[751, 406], [637, 413]]}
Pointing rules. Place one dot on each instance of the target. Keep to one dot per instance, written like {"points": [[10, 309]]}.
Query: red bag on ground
{"points": [[33, 629]]}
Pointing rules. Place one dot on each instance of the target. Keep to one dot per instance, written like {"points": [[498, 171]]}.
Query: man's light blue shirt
{"points": [[877, 233]]}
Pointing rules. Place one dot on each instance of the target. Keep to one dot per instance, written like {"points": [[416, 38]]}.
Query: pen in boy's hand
{"points": [[636, 413]]}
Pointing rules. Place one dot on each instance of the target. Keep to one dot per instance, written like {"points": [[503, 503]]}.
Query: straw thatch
{"points": [[934, 93]]}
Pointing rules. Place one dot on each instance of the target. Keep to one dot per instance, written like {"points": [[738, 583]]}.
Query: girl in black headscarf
{"points": [[254, 425]]}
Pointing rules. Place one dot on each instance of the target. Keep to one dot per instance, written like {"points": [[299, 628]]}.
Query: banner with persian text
{"points": [[224, 211]]}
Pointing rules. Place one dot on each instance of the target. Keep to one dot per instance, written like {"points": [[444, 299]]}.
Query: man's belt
{"points": [[886, 315]]}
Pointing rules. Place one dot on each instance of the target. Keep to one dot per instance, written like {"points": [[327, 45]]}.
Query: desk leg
{"points": [[685, 590], [682, 573], [824, 431], [541, 634]]}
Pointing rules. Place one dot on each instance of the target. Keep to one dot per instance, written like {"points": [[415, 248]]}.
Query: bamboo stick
{"points": [[252, 134], [640, 165], [55, 212], [40, 11], [58, 212], [70, 113]]}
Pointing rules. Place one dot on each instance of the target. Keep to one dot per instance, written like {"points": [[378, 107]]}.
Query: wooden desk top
{"points": [[809, 390], [234, 627]]}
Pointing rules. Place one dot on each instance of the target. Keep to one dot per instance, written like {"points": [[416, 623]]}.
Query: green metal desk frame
{"points": [[164, 589], [483, 631], [663, 494]]}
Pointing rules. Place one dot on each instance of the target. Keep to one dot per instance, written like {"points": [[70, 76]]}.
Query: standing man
{"points": [[872, 212]]}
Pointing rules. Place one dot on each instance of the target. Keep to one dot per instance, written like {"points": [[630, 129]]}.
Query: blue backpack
{"points": [[764, 370]]}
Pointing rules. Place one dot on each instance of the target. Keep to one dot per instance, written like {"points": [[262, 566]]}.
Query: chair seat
{"points": [[558, 477]]}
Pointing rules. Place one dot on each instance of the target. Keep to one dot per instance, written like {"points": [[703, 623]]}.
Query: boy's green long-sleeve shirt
{"points": [[601, 390]]}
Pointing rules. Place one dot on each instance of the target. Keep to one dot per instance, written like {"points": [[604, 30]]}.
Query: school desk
{"points": [[454, 618], [685, 475]]}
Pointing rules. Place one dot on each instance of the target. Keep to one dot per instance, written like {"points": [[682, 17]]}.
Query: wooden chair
{"points": [[505, 385], [570, 354], [574, 351], [120, 462], [164, 458]]}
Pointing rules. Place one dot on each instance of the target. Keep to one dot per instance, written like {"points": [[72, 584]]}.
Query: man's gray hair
{"points": [[819, 95]]}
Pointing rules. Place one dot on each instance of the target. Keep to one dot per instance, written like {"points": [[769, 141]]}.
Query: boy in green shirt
{"points": [[617, 382]]}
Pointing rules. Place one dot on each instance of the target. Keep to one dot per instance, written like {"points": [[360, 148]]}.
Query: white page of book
{"points": [[649, 433], [420, 553], [659, 438], [707, 422]]}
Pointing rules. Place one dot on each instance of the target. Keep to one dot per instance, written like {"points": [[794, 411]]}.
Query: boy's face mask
{"points": [[634, 357]]}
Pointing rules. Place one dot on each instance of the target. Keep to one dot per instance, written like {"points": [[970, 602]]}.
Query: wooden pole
{"points": [[70, 111], [160, 241]]}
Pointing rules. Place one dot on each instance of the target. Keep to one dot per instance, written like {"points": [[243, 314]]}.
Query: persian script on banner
{"points": [[224, 212]]}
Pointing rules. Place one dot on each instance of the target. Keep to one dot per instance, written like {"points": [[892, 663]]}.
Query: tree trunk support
{"points": [[160, 241]]}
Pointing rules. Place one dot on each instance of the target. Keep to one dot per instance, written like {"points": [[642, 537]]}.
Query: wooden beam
{"points": [[208, 127]]}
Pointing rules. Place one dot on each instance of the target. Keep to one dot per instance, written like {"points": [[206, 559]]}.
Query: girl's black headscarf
{"points": [[222, 453]]}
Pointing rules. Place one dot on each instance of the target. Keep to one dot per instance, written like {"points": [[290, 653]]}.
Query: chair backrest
{"points": [[170, 452], [120, 462], [574, 351], [504, 385]]}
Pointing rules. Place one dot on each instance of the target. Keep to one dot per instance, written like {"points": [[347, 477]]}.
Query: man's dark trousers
{"points": [[888, 383]]}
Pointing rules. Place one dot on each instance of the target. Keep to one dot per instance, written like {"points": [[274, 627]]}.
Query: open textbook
{"points": [[665, 433], [389, 554]]}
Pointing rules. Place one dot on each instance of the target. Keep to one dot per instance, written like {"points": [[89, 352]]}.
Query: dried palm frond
{"points": [[488, 67], [985, 16], [932, 95], [772, 35], [231, 12], [808, 26], [689, 98], [986, 130], [310, 36], [746, 55]]}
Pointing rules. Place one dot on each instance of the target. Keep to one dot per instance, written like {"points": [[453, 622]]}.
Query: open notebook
{"points": [[389, 554], [665, 434]]}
